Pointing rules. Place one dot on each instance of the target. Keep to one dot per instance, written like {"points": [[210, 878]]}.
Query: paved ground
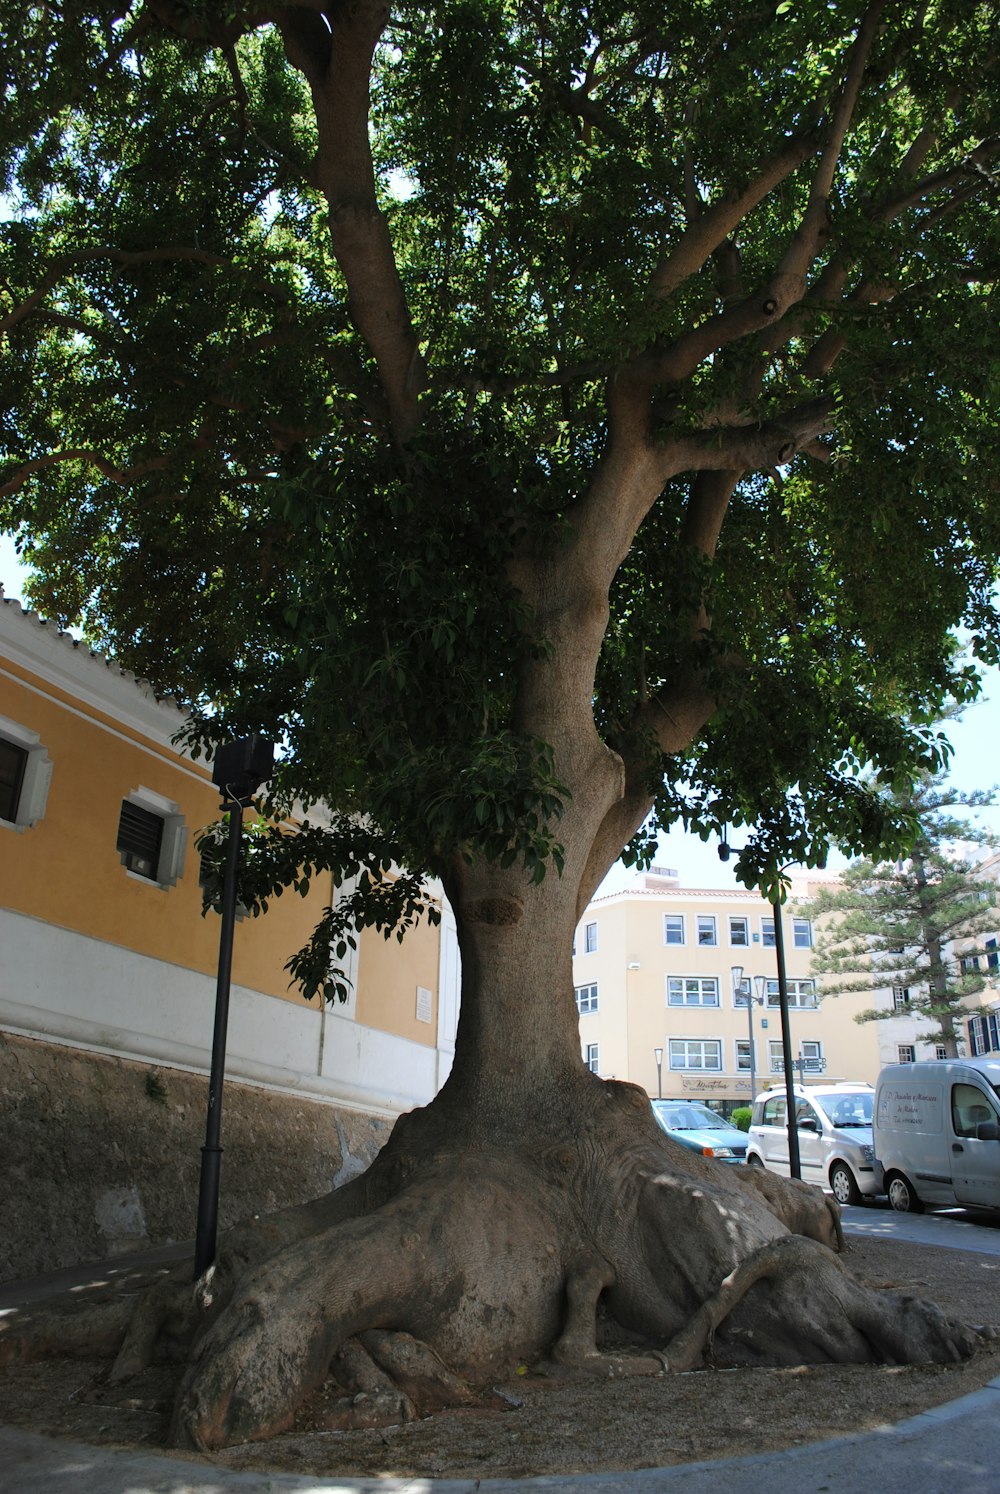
{"points": [[954, 1449]]}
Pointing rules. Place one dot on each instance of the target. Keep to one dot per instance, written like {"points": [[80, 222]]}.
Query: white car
{"points": [[834, 1129]]}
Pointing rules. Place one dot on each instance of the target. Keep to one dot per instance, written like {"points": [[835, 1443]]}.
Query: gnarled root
{"points": [[824, 1316], [802, 1208], [462, 1262]]}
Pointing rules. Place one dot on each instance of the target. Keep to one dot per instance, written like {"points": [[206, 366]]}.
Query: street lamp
{"points": [[238, 771], [658, 1055], [750, 999]]}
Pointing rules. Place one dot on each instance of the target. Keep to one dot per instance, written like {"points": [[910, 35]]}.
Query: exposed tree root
{"points": [[802, 1208], [427, 1279]]}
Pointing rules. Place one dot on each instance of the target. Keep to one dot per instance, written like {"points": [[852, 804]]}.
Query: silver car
{"points": [[834, 1129]]}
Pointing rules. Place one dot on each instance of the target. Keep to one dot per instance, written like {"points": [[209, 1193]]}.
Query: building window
{"points": [[992, 955], [742, 1055], [140, 839], [25, 772], [706, 929], [586, 999], [767, 932], [906, 1053], [811, 1055], [590, 938], [984, 1034], [802, 933], [940, 1051], [692, 990], [969, 964], [151, 837], [801, 994], [775, 1057], [673, 928], [739, 932], [900, 999], [696, 1053], [13, 760], [592, 1057]]}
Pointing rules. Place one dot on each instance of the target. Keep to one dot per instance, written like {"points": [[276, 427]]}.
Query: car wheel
{"points": [[844, 1184], [902, 1196], [754, 1161]]}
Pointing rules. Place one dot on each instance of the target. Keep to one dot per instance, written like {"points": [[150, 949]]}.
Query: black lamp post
{"points": [[238, 771], [794, 1161]]}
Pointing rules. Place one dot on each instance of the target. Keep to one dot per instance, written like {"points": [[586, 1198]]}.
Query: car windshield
{"points": [[692, 1118], [847, 1110]]}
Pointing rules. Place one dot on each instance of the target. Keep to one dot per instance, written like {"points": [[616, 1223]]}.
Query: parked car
{"points": [[701, 1129], [937, 1133], [834, 1129]]}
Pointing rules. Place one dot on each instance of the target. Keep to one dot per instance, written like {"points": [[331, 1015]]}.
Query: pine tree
{"points": [[915, 925]]}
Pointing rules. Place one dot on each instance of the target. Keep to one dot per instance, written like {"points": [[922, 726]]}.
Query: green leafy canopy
{"points": [[426, 388]]}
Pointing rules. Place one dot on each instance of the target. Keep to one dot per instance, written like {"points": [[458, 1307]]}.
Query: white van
{"points": [[937, 1133]]}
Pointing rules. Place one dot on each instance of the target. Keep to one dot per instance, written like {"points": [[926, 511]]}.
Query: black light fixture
{"points": [[238, 771]]}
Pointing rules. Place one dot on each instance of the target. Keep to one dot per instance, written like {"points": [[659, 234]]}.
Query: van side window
{"points": [[969, 1107], [774, 1112], [804, 1111]]}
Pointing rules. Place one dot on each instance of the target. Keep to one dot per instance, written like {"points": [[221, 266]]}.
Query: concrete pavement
{"points": [[954, 1449]]}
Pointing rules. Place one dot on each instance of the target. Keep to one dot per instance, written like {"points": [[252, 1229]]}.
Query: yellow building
{"points": [[103, 947], [654, 973]]}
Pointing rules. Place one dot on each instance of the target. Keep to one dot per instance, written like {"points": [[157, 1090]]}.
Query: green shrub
{"points": [[741, 1117]]}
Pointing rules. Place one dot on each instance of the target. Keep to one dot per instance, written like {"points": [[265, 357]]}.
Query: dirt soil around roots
{"points": [[533, 1424]]}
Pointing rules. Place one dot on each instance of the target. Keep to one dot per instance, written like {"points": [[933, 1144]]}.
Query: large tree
{"points": [[914, 924], [551, 420]]}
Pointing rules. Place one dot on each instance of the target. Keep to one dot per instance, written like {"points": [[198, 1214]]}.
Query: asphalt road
{"points": [[956, 1229]]}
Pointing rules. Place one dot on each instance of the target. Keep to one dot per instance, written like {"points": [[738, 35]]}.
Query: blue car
{"points": [[701, 1130]]}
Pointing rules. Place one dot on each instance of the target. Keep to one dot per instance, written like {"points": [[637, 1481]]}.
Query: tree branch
{"points": [[339, 78], [120, 475], [124, 257]]}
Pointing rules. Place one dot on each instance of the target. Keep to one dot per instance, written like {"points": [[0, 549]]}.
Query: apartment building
{"points": [[677, 990]]}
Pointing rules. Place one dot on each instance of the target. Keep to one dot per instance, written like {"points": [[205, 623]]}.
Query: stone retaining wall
{"points": [[100, 1156]]}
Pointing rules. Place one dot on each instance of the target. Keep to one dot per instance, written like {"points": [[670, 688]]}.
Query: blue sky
{"points": [[975, 765]]}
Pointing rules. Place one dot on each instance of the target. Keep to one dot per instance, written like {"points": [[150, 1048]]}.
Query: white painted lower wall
{"points": [[66, 988]]}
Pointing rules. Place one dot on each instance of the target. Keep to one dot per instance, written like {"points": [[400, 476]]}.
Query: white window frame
{"points": [[682, 1050], [767, 919], [586, 999], [590, 938], [678, 920], [743, 1056], [801, 994], [693, 990], [906, 1053], [34, 793], [901, 998], [173, 844], [802, 925], [592, 1057], [706, 925], [744, 926], [775, 1056], [810, 1048]]}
